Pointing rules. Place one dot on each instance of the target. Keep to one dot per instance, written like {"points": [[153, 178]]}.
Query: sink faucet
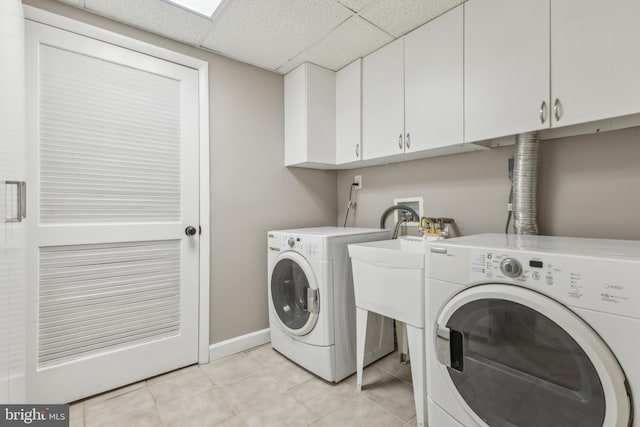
{"points": [[403, 218]]}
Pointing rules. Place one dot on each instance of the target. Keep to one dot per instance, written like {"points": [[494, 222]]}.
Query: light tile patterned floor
{"points": [[255, 388]]}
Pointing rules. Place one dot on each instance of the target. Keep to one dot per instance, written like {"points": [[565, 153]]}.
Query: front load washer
{"points": [[533, 331], [312, 315]]}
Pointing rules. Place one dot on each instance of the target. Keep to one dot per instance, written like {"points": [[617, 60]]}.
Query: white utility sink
{"points": [[389, 279]]}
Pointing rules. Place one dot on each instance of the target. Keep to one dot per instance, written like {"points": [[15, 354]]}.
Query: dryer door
{"points": [[518, 358], [294, 293]]}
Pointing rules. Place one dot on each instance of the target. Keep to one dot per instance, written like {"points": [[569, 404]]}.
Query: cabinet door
{"points": [[433, 83], [310, 117], [295, 116], [321, 115], [349, 113], [506, 67], [594, 57], [383, 101]]}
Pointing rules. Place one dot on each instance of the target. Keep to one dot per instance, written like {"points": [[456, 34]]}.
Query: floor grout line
{"points": [[285, 388]]}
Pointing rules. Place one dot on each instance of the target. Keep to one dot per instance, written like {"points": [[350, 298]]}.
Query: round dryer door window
{"points": [[518, 358], [294, 293]]}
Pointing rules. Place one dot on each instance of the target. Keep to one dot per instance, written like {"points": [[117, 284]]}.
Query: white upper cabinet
{"points": [[484, 70], [412, 94], [310, 117], [349, 113], [506, 68], [383, 101], [433, 85], [595, 66]]}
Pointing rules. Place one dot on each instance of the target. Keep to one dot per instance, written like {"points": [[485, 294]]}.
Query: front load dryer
{"points": [[533, 331], [312, 316]]}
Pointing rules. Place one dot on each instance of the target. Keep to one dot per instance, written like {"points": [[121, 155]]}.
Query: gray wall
{"points": [[251, 191], [589, 186]]}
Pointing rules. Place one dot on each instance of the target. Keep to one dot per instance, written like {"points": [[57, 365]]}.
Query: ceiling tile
{"points": [[399, 20], [353, 39], [355, 5], [155, 16], [270, 33]]}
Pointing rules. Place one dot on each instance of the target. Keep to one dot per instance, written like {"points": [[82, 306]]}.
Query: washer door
{"points": [[518, 358], [294, 293]]}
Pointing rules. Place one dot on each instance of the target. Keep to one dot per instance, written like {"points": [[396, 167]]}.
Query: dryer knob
{"points": [[291, 242], [511, 267]]}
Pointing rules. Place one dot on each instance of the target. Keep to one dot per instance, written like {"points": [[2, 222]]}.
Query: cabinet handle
{"points": [[21, 200], [407, 140], [357, 150], [543, 112], [556, 109], [400, 141]]}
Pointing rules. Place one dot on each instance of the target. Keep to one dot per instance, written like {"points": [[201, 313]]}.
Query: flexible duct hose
{"points": [[525, 178]]}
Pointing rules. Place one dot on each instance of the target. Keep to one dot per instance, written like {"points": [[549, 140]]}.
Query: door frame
{"points": [[48, 18]]}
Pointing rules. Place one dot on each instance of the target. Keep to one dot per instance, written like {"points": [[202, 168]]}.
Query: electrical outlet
{"points": [[358, 180]]}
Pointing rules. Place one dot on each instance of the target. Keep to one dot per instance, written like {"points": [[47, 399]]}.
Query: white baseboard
{"points": [[238, 344]]}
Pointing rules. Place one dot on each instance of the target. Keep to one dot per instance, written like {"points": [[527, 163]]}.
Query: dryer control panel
{"points": [[611, 286]]}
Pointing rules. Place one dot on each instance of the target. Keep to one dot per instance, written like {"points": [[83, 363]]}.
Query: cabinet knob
{"points": [[407, 140], [543, 112], [358, 150], [556, 109], [400, 141]]}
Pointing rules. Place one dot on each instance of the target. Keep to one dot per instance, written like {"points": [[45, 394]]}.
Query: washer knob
{"points": [[291, 242], [511, 267]]}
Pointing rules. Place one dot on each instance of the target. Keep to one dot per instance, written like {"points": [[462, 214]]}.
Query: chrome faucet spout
{"points": [[397, 227]]}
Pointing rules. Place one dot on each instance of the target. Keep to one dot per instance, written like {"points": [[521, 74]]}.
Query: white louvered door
{"points": [[113, 277]]}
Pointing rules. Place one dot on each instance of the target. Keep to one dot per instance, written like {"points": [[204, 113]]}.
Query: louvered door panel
{"points": [[94, 298], [109, 142]]}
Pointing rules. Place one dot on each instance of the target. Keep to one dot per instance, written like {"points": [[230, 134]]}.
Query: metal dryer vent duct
{"points": [[525, 178]]}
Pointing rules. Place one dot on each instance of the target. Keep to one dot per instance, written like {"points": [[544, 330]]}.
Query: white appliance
{"points": [[311, 301], [533, 331]]}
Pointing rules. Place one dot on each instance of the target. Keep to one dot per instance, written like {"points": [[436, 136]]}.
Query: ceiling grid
{"points": [[279, 35]]}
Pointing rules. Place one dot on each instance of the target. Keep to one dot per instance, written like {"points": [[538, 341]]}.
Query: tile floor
{"points": [[255, 388]]}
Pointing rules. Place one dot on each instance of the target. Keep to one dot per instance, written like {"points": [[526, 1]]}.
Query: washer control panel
{"points": [[309, 246], [611, 286], [510, 267]]}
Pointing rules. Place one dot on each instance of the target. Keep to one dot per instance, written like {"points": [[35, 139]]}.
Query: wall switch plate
{"points": [[357, 180]]}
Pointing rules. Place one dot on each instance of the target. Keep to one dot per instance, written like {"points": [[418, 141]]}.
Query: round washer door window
{"points": [[518, 358], [294, 293]]}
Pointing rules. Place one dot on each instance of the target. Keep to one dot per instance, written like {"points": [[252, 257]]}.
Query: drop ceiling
{"points": [[279, 35]]}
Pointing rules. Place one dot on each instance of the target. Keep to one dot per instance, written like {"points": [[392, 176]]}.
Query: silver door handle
{"points": [[449, 348], [443, 348], [407, 140], [556, 109], [21, 200], [400, 141], [357, 150], [543, 112], [312, 301]]}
